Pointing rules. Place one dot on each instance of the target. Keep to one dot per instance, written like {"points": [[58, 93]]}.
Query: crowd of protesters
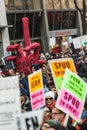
{"points": [[53, 117]]}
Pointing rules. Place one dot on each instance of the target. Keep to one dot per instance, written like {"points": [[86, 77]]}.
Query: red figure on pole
{"points": [[24, 58]]}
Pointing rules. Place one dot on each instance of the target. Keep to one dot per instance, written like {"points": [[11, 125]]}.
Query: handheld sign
{"points": [[31, 120], [58, 67], [72, 95], [36, 89], [80, 41], [10, 107]]}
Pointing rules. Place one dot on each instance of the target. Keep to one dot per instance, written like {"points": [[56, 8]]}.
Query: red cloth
{"points": [[51, 105], [26, 31], [24, 58], [56, 50]]}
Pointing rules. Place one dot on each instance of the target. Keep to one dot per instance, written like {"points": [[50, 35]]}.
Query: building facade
{"points": [[47, 19]]}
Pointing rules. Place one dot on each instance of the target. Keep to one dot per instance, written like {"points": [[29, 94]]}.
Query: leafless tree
{"points": [[83, 14]]}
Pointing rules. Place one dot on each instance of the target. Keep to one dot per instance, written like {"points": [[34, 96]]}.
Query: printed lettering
{"points": [[32, 122]]}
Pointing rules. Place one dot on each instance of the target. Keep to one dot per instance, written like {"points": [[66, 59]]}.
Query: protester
{"points": [[34, 67], [82, 70], [58, 115], [52, 125], [25, 103], [53, 88], [50, 99]]}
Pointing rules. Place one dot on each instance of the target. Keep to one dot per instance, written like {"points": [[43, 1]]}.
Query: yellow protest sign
{"points": [[58, 66], [35, 81]]}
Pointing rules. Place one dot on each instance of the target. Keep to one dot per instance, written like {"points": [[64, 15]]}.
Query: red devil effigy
{"points": [[27, 56]]}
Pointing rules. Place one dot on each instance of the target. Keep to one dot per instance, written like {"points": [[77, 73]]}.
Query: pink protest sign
{"points": [[36, 89], [37, 99], [69, 104]]}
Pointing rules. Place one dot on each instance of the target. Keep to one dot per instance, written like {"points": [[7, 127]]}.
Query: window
{"points": [[35, 20], [22, 4], [28, 4], [58, 20], [32, 4], [9, 4], [10, 20], [15, 32], [18, 27], [18, 4], [59, 4]]}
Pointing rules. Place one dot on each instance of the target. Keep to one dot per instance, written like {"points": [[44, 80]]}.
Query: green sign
{"points": [[85, 43], [75, 85], [58, 82]]}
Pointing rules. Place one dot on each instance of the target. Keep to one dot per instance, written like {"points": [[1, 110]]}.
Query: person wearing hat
{"points": [[35, 67], [50, 99], [52, 125]]}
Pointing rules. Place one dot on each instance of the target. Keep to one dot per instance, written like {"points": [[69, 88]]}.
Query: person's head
{"points": [[52, 125], [53, 88], [44, 70], [18, 74], [23, 94], [85, 59], [47, 114], [58, 115], [49, 97], [34, 67], [11, 72]]}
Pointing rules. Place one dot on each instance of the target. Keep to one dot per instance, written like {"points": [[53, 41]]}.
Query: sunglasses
{"points": [[49, 99], [56, 113]]}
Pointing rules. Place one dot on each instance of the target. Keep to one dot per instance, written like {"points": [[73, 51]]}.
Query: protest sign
{"points": [[31, 120], [72, 95], [80, 41], [58, 67], [36, 89], [10, 107]]}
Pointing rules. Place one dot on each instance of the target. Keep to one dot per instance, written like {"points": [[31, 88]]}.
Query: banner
{"points": [[58, 67], [10, 107], [80, 41], [72, 95], [31, 120], [36, 89]]}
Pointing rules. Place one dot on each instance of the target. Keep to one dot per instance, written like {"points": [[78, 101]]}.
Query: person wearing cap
{"points": [[52, 125], [50, 99], [25, 103], [35, 67]]}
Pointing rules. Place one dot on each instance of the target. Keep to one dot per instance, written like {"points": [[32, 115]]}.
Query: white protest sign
{"points": [[31, 120], [80, 41], [52, 41], [9, 102]]}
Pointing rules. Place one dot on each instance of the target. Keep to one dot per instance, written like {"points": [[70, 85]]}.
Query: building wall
{"points": [[39, 23], [4, 29]]}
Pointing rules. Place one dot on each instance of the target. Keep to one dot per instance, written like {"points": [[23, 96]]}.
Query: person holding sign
{"points": [[52, 125]]}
